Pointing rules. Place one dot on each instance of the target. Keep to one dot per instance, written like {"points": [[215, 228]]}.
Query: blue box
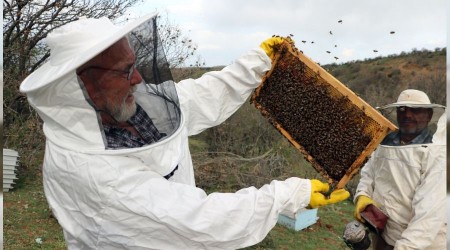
{"points": [[300, 220]]}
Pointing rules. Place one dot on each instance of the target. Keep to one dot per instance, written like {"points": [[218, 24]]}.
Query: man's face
{"points": [[413, 120], [110, 80]]}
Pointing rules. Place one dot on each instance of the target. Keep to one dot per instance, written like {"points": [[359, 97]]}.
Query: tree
{"points": [[178, 48], [27, 22]]}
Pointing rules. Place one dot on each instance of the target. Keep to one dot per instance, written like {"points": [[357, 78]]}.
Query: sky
{"points": [[226, 29]]}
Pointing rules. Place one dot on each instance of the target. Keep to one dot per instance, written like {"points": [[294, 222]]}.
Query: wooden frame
{"points": [[377, 132]]}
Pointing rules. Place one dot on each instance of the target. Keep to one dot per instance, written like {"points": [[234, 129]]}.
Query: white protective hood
{"points": [[59, 96]]}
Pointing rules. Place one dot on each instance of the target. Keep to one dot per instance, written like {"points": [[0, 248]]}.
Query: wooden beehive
{"points": [[10, 163], [332, 127]]}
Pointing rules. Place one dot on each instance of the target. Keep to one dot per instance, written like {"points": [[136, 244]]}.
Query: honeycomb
{"points": [[333, 128]]}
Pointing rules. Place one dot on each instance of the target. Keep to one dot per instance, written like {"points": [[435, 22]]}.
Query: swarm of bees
{"points": [[324, 124], [331, 32]]}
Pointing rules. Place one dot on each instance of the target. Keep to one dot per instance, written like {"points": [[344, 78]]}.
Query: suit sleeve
{"points": [[166, 215], [215, 96]]}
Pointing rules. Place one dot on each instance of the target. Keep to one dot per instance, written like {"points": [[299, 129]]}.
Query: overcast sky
{"points": [[225, 29]]}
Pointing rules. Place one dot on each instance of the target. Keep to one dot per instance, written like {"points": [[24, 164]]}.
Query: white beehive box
{"points": [[10, 163]]}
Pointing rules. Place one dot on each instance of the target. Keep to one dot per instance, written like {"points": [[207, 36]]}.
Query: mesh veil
{"points": [[157, 93]]}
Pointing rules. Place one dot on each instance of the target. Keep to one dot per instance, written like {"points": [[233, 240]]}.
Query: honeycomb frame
{"points": [[304, 78]]}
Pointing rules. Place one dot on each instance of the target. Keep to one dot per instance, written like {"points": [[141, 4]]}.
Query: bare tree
{"points": [[25, 25], [27, 22], [176, 45]]}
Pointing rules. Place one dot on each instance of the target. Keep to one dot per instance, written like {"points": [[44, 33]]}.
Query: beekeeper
{"points": [[405, 176], [117, 169]]}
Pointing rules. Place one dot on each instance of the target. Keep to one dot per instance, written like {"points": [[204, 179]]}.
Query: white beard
{"points": [[123, 111]]}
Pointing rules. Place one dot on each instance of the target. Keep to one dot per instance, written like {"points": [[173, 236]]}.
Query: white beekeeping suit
{"points": [[408, 183], [117, 198]]}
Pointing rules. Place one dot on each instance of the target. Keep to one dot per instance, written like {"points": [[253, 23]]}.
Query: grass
{"points": [[326, 233], [27, 219]]}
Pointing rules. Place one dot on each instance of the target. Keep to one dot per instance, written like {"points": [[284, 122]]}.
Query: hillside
{"points": [[379, 80]]}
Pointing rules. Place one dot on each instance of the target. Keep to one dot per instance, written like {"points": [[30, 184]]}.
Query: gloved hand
{"points": [[270, 44], [362, 202], [318, 198]]}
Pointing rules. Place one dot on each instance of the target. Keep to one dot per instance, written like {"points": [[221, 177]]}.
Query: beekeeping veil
{"points": [[59, 96], [414, 99]]}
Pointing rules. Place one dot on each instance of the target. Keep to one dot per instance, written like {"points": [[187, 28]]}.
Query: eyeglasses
{"points": [[125, 73]]}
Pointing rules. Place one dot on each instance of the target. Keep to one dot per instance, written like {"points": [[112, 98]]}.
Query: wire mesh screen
{"points": [[157, 94], [333, 128], [151, 60]]}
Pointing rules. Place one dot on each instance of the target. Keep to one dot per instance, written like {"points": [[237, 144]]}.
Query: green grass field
{"points": [[28, 223]]}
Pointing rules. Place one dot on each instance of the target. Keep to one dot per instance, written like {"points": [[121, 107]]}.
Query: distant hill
{"points": [[379, 80]]}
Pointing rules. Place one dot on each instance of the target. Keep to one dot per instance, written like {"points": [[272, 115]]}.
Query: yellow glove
{"points": [[318, 198], [362, 202], [270, 45]]}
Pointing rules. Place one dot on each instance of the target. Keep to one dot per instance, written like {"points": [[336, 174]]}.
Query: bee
{"points": [[328, 52], [375, 50], [392, 32], [340, 21], [331, 33]]}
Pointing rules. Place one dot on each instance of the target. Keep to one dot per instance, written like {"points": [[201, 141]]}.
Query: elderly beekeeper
{"points": [[405, 177], [117, 169]]}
